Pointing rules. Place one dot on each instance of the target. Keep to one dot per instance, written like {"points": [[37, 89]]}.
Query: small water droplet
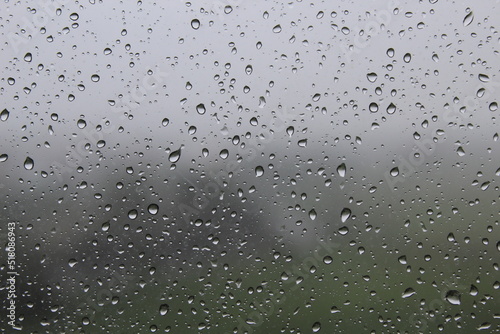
{"points": [[95, 78], [165, 122], [72, 262], [395, 171], [224, 154], [81, 124], [390, 52], [312, 214], [28, 57], [164, 309], [373, 107], [316, 327], [493, 106], [290, 130], [408, 293], [277, 29], [327, 260], [249, 69], [391, 109], [460, 151], [101, 144], [3, 157], [483, 77]]}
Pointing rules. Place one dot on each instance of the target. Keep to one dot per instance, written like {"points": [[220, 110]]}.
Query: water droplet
{"points": [[28, 57], [200, 108], [174, 156], [249, 69], [165, 122], [302, 143], [3, 157], [29, 163], [95, 78], [341, 169], [105, 226], [132, 214], [391, 109], [316, 327], [460, 151], [101, 144], [493, 106], [373, 107], [468, 19], [453, 297], [224, 154], [345, 214], [407, 57], [327, 260], [72, 262], [153, 209], [372, 77], [107, 51], [228, 9], [316, 97], [408, 293], [290, 130], [312, 214], [254, 121], [395, 171], [74, 16], [483, 77], [343, 230], [81, 124], [4, 115], [259, 171], [195, 24], [390, 52], [164, 309], [277, 29]]}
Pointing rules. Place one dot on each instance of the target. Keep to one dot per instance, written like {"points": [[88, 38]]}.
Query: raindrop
{"points": [[341, 169], [249, 69], [327, 260], [290, 130], [4, 115], [164, 309], [174, 156], [408, 293], [259, 171], [391, 109], [395, 171], [72, 262], [228, 9], [312, 214], [3, 157], [343, 230], [107, 51], [101, 144], [316, 97], [468, 19], [74, 16], [316, 327], [302, 143], [81, 124], [372, 77], [390, 52], [277, 29], [493, 106], [345, 214], [373, 107], [132, 214], [483, 77], [29, 163], [28, 57], [200, 108], [153, 209], [165, 122], [95, 78], [453, 297], [195, 24], [407, 58], [224, 154], [460, 151]]}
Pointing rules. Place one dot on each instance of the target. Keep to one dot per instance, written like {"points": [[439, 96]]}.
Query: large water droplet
{"points": [[81, 124], [174, 156], [277, 29], [407, 57], [200, 108], [372, 77], [3, 157], [132, 214], [259, 171], [153, 209], [453, 297], [391, 109], [408, 293], [373, 107], [224, 154], [163, 309], [395, 171], [4, 115], [341, 169], [29, 163], [195, 24], [345, 214], [312, 214], [468, 19], [28, 57], [316, 327], [290, 130]]}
